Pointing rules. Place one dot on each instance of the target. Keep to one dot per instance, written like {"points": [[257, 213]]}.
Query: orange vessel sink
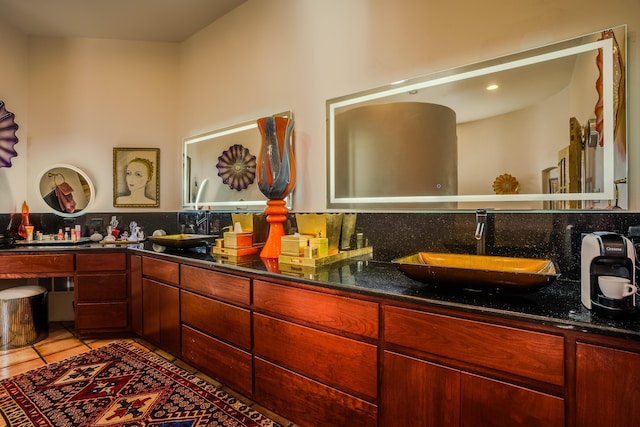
{"points": [[479, 271]]}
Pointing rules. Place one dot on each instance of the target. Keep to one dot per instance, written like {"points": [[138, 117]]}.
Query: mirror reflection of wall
{"points": [[534, 127], [389, 141]]}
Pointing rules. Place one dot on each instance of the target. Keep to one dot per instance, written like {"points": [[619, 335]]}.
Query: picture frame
{"points": [[136, 177]]}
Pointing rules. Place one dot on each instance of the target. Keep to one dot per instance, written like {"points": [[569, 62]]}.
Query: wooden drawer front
{"points": [[101, 262], [166, 271], [343, 363], [340, 313], [307, 402], [228, 364], [101, 287], [224, 321], [37, 263], [529, 354], [485, 402], [217, 285], [101, 316]]}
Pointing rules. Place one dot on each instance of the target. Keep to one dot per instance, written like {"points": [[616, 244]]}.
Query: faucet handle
{"points": [[481, 218]]}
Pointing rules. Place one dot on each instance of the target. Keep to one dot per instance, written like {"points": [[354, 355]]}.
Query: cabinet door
{"points": [[161, 315], [489, 403], [310, 403], [222, 361], [418, 393], [135, 290], [607, 387]]}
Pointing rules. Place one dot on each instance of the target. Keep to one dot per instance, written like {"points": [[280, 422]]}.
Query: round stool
{"points": [[23, 316]]}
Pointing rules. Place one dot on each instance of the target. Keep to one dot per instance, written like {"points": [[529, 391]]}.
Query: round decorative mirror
{"points": [[66, 190]]}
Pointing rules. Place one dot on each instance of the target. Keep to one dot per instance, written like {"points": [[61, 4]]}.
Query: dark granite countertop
{"points": [[557, 305]]}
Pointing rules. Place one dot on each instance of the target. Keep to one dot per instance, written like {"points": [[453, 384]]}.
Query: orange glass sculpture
{"points": [[276, 172], [22, 231]]}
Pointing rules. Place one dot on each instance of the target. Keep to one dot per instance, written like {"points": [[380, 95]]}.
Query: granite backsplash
{"points": [[554, 235]]}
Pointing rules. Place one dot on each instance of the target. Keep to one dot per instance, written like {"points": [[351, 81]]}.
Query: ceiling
{"points": [[146, 20]]}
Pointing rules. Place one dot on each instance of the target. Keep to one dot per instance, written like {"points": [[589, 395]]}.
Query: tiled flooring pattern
{"points": [[62, 343]]}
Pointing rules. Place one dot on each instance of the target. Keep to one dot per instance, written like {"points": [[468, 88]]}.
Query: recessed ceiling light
{"points": [[492, 87]]}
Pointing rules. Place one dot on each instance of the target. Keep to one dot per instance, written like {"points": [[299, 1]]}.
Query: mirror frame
{"points": [[532, 56], [249, 205], [48, 175]]}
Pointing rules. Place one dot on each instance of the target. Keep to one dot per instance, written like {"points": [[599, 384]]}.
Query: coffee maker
{"points": [[607, 254]]}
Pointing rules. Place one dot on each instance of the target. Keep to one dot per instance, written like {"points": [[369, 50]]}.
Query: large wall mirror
{"points": [[218, 169], [540, 129], [66, 190]]}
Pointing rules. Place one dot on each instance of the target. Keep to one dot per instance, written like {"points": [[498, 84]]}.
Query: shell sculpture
{"points": [[237, 167], [506, 184], [8, 138], [277, 168]]}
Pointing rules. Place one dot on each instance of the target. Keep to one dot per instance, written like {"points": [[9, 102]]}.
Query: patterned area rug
{"points": [[123, 385]]}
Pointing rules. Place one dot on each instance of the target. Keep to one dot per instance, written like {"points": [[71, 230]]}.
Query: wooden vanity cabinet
{"points": [[441, 364], [315, 355], [100, 295], [607, 386], [216, 325], [161, 303]]}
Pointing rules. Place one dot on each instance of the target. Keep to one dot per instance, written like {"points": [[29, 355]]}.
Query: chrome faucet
{"points": [[481, 222]]}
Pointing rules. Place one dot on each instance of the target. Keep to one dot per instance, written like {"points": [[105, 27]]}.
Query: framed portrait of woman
{"points": [[136, 177]]}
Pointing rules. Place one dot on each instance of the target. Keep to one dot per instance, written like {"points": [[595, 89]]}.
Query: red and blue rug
{"points": [[122, 385]]}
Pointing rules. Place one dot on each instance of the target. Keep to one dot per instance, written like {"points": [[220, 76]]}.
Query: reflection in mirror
{"points": [[541, 129], [66, 190], [218, 169]]}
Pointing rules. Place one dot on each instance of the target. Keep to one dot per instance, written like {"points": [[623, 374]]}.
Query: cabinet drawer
{"points": [[308, 402], [101, 262], [101, 287], [529, 354], [101, 316], [228, 364], [224, 321], [37, 265], [340, 313], [343, 363], [165, 271], [217, 285]]}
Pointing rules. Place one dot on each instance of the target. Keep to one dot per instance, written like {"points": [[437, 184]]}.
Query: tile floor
{"points": [[62, 342]]}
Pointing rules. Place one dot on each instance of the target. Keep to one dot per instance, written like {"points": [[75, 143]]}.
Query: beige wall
{"points": [[298, 54], [14, 93], [87, 96]]}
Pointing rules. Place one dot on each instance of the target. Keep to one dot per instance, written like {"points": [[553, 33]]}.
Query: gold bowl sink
{"points": [[479, 271], [182, 240]]}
